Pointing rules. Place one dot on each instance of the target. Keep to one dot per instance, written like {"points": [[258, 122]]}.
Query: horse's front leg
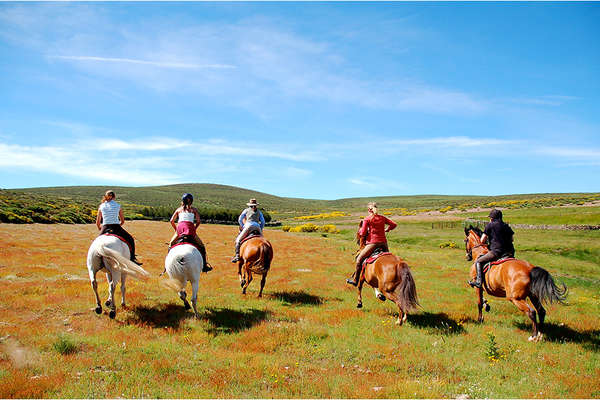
{"points": [[359, 288], [109, 279], [115, 277], [248, 276], [262, 284], [479, 292], [242, 280]]}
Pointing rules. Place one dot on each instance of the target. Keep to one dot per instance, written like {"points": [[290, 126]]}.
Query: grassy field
{"points": [[305, 338]]}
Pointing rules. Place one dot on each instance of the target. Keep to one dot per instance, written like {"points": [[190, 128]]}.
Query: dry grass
{"points": [[305, 338]]}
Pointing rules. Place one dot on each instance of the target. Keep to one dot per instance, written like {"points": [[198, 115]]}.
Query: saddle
{"points": [[185, 239], [504, 258], [250, 236], [375, 255]]}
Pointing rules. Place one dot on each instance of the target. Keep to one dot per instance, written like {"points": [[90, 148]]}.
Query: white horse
{"points": [[184, 263], [112, 254]]}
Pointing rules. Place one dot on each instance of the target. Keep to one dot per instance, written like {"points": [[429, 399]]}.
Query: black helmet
{"points": [[495, 214], [187, 198]]}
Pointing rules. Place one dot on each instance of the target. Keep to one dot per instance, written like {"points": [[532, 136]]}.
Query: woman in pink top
{"points": [[188, 219], [374, 226]]}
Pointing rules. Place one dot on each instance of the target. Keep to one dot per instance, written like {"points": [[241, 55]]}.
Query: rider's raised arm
{"points": [[121, 216]]}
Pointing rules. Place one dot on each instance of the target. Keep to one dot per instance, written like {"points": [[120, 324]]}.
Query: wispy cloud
{"points": [[453, 141], [550, 100], [160, 64], [571, 153], [376, 184]]}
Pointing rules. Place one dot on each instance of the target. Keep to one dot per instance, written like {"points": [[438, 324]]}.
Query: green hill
{"points": [[77, 204]]}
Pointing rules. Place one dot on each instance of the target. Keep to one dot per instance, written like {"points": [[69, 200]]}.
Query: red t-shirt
{"points": [[374, 225]]}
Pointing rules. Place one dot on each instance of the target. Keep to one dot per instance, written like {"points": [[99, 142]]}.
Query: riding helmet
{"points": [[187, 197]]}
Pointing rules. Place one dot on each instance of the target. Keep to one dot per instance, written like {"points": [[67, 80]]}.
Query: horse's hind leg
{"points": [[524, 307], [94, 283], [242, 280], [123, 277], [402, 315], [182, 296], [540, 311], [262, 284], [249, 279], [195, 297], [115, 277]]}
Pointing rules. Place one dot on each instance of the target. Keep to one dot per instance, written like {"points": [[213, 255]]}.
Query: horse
{"points": [[256, 255], [112, 254], [184, 263], [391, 279], [516, 280]]}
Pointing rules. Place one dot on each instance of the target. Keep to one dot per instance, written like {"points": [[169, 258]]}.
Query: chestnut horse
{"points": [[516, 280], [391, 279], [256, 255]]}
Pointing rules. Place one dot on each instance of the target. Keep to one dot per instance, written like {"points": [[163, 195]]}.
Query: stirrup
{"points": [[474, 283], [351, 282]]}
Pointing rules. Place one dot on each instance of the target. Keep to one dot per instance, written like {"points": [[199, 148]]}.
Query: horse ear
{"points": [[466, 231]]}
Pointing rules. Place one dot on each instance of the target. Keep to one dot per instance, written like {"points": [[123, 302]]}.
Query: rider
{"points": [[374, 226], [109, 220], [250, 220], [188, 219], [501, 244]]}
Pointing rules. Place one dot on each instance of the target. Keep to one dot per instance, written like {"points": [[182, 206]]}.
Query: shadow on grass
{"points": [[298, 297], [162, 316], [590, 339], [437, 324], [226, 320]]}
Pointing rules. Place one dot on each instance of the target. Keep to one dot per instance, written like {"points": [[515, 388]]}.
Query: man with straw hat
{"points": [[250, 220]]}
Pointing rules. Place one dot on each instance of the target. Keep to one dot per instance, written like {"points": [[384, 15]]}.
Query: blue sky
{"points": [[314, 100]]}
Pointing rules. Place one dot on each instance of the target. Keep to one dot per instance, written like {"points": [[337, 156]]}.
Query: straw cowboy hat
{"points": [[252, 203]]}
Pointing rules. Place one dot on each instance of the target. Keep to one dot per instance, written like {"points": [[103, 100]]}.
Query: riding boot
{"points": [[478, 279], [356, 276], [237, 252]]}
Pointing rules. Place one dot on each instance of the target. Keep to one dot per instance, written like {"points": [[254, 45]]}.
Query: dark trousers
{"points": [[486, 258], [119, 231]]}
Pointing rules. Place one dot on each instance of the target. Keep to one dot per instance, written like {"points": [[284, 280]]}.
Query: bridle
{"points": [[469, 251]]}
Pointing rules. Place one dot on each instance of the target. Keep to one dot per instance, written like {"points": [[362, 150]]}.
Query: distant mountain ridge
{"points": [[235, 198]]}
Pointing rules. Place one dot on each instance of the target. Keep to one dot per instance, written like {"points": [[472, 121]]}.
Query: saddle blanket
{"points": [[489, 265], [118, 237], [185, 239], [374, 257]]}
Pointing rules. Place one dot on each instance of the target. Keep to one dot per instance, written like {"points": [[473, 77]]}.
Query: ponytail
{"points": [[108, 196]]}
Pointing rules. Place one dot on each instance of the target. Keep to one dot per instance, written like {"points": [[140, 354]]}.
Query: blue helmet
{"points": [[187, 198]]}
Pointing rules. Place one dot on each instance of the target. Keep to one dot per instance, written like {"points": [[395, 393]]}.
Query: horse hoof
{"points": [[381, 297], [242, 282], [187, 305], [107, 304], [98, 310], [112, 314], [359, 305], [487, 307]]}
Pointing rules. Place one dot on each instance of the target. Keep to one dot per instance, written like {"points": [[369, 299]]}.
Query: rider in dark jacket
{"points": [[500, 236]]}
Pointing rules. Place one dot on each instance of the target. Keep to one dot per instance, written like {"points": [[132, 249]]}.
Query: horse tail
{"points": [[407, 290], [544, 288], [123, 264]]}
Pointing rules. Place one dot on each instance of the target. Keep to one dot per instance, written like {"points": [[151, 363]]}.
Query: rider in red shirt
{"points": [[374, 227]]}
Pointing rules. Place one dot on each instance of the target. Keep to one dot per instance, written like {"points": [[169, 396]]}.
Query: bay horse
{"points": [[516, 280], [110, 253], [184, 264], [391, 279], [256, 254]]}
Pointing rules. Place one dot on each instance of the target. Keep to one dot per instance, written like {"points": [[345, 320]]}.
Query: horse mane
{"points": [[475, 230]]}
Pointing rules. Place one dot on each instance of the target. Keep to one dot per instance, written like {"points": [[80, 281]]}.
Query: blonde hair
{"points": [[372, 207], [108, 195]]}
